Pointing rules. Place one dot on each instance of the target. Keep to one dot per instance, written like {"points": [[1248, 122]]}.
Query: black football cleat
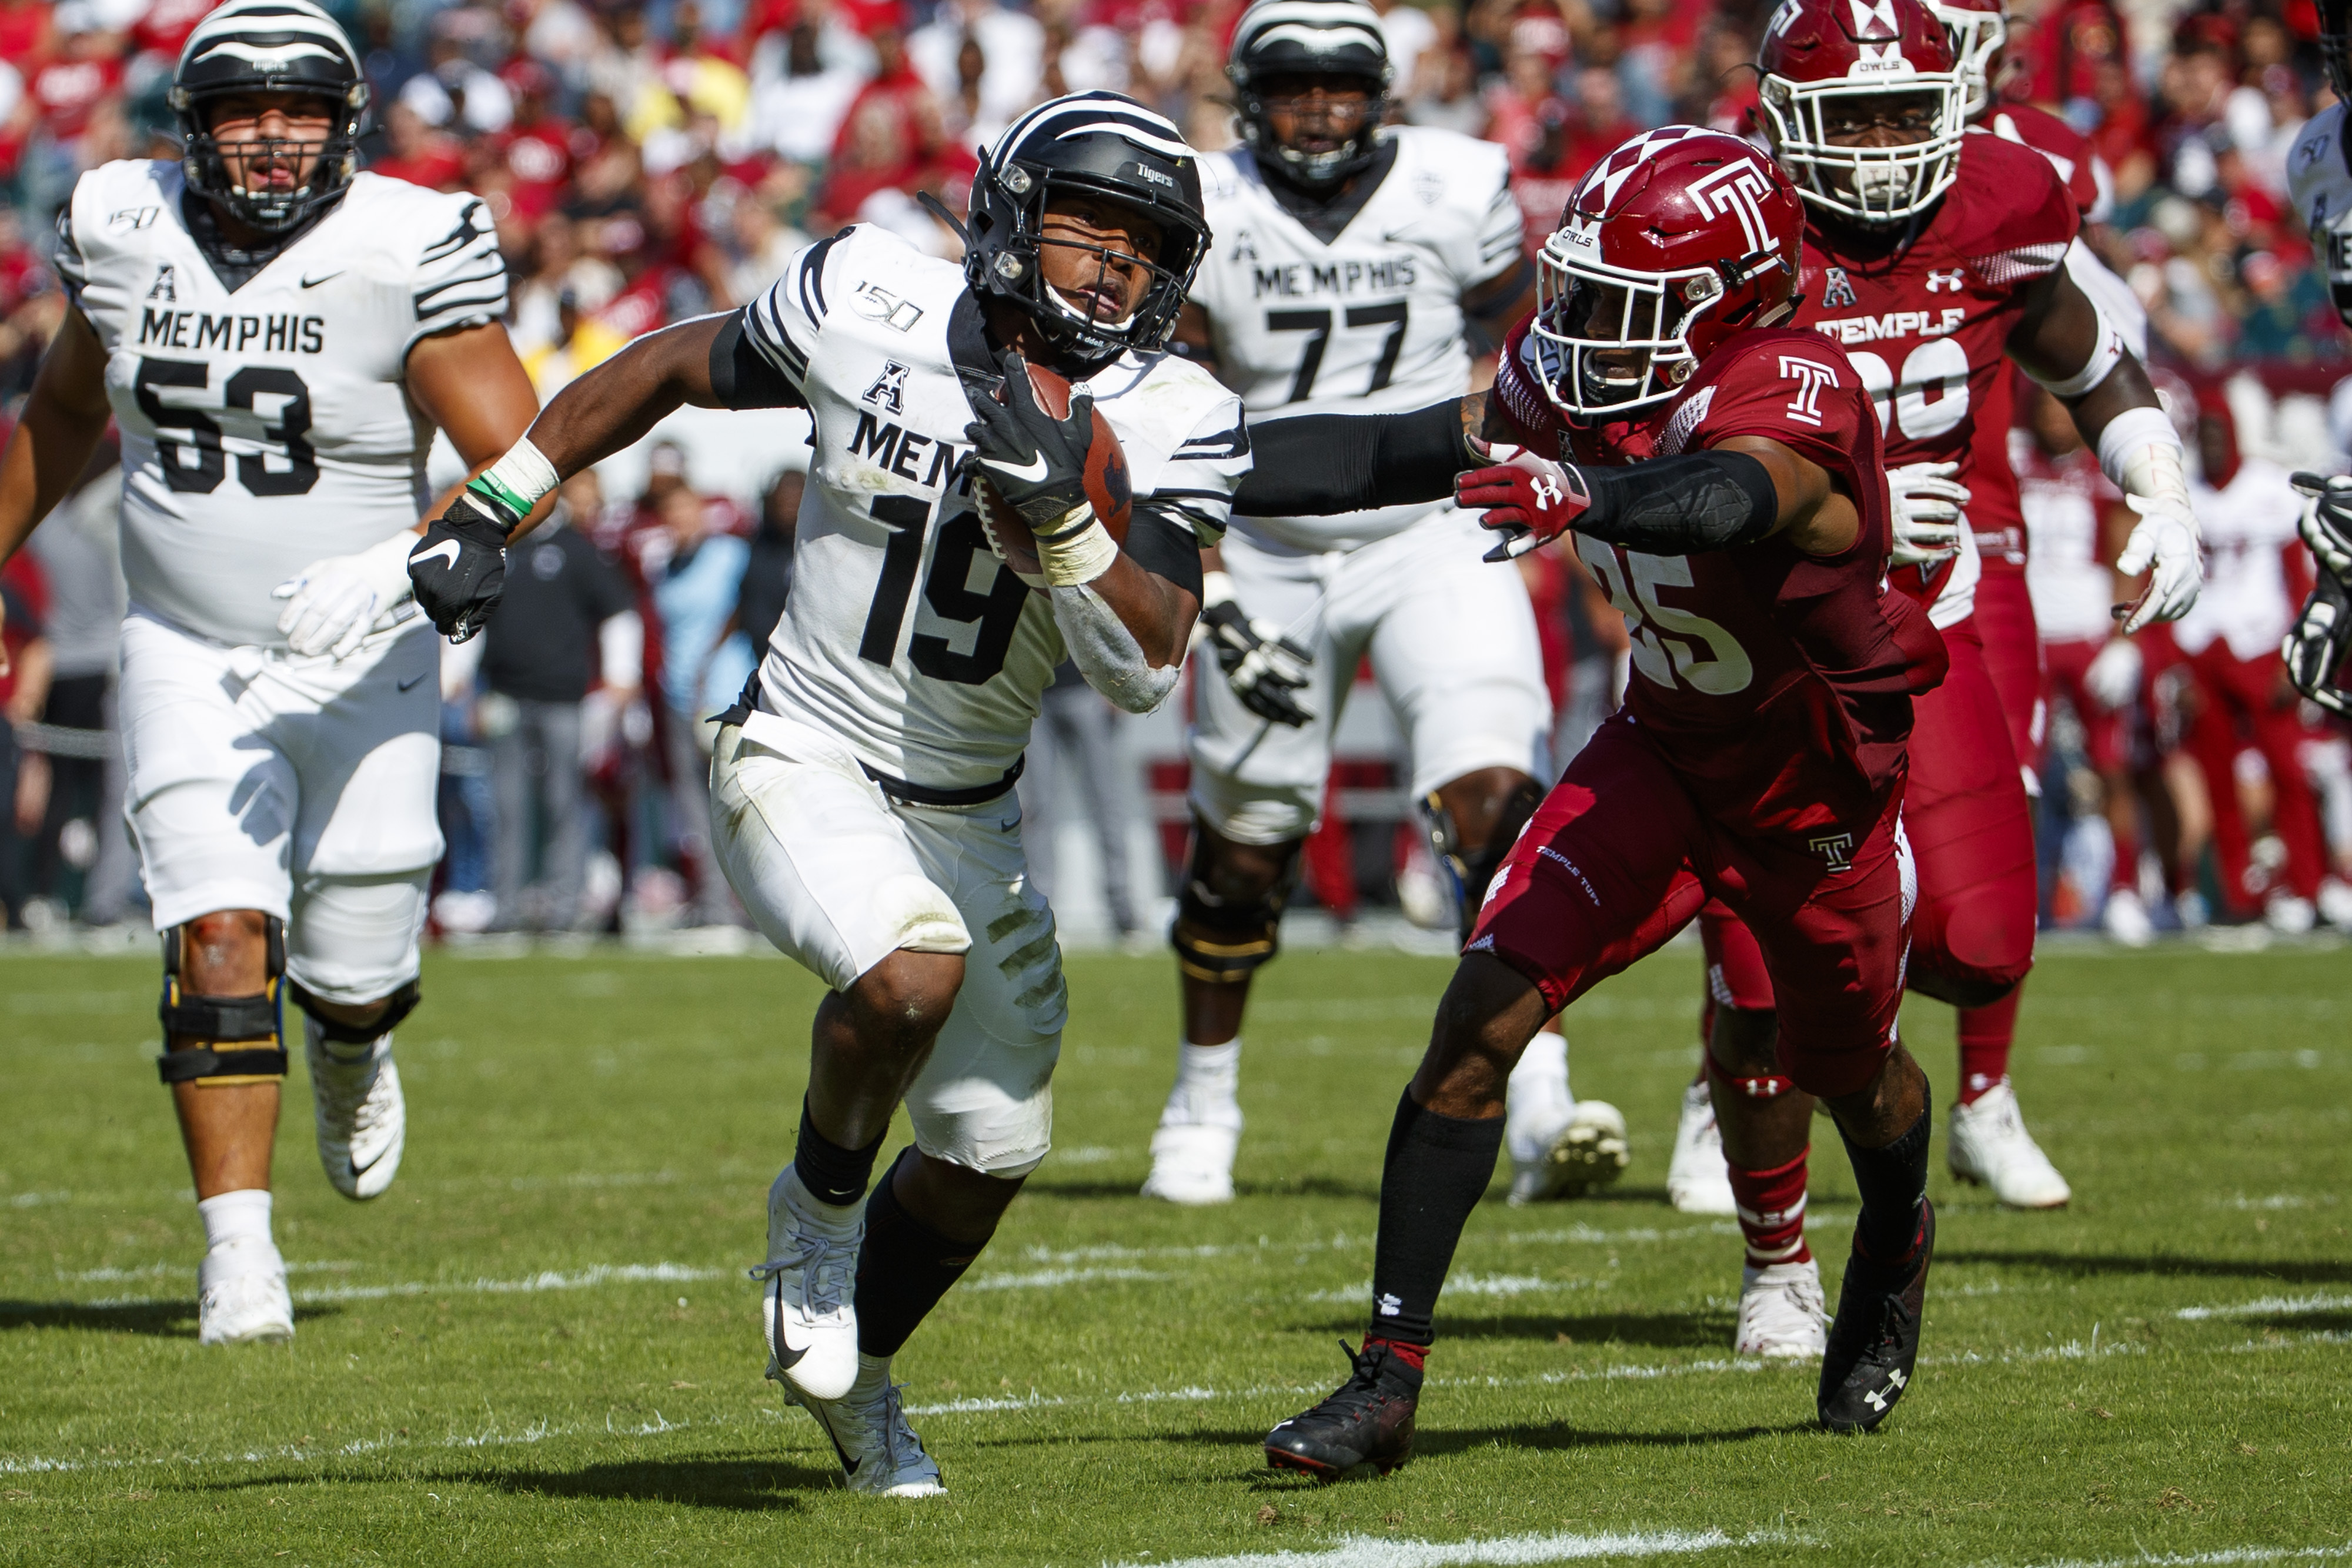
{"points": [[1367, 1422], [1875, 1340]]}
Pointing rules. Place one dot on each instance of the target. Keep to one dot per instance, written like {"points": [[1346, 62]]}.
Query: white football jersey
{"points": [[2246, 527], [904, 637], [265, 427], [2320, 188], [2063, 500], [1368, 323]]}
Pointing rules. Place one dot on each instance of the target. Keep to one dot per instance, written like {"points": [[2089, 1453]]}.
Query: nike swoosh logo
{"points": [[1035, 470], [447, 548], [786, 1356], [405, 686], [308, 282]]}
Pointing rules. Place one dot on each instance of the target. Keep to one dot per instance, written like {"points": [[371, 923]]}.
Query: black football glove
{"points": [[459, 568], [2317, 643], [1263, 666], [2327, 525], [1036, 463]]}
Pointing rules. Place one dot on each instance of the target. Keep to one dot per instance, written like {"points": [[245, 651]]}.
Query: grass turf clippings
{"points": [[540, 1345]]}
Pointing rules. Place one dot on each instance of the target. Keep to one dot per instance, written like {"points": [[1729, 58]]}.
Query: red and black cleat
{"points": [[1368, 1421], [1875, 1340]]}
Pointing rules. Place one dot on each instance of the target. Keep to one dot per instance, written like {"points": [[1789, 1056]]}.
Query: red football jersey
{"points": [[1928, 324], [1778, 683], [2080, 168]]}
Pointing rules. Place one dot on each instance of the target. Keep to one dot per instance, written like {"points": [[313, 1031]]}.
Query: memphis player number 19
{"points": [[195, 463], [948, 590]]}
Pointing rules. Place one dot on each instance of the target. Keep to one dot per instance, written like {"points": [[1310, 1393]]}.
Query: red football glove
{"points": [[1530, 500]]}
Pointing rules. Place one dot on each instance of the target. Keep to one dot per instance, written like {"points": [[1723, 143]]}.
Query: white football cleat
{"points": [[1193, 1151], [2336, 903], [1988, 1146], [2125, 919], [2289, 915], [363, 1118], [1783, 1314], [1698, 1178], [879, 1452], [241, 1296], [808, 1310], [1571, 1156]]}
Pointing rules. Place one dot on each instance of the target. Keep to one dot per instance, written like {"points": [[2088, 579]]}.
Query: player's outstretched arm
{"points": [[1318, 465], [63, 420], [1744, 489], [2063, 342]]}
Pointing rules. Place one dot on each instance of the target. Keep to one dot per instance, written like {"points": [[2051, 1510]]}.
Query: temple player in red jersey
{"points": [[1722, 475], [1933, 255]]}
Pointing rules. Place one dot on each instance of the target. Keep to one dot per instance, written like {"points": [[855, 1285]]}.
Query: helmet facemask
{"points": [[1018, 271], [219, 174], [1316, 170], [1607, 339], [1877, 187], [1977, 39]]}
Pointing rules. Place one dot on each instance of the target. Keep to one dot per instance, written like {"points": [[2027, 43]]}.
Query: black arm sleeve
{"points": [[1681, 506], [1320, 464], [741, 376], [1164, 548]]}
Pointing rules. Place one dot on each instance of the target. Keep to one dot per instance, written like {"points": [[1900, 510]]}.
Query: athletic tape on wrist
{"points": [[2130, 437], [1079, 556], [517, 480], [1216, 588]]}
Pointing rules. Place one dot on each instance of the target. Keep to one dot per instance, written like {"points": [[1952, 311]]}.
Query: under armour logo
{"points": [[1810, 376], [1546, 490], [1739, 188], [1879, 1399], [1837, 290], [1939, 281], [1390, 1306], [1836, 848], [890, 389], [164, 288]]}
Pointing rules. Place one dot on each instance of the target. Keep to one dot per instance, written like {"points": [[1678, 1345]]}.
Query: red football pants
{"points": [[1619, 858], [2252, 696], [2012, 657], [1966, 815]]}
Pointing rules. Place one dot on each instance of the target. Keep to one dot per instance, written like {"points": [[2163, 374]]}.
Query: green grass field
{"points": [[541, 1345]]}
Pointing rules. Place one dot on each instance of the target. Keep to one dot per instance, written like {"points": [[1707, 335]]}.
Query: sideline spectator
{"points": [[696, 574]]}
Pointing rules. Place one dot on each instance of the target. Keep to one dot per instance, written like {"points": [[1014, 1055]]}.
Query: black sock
{"points": [[831, 1173], [903, 1269], [1436, 1171], [1893, 1182]]}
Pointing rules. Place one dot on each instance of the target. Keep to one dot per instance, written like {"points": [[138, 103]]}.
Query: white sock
{"points": [[236, 1216], [1215, 1069], [1545, 1061], [808, 1206]]}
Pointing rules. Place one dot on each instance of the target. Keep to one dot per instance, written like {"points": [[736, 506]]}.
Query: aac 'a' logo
{"points": [[888, 391], [1837, 290], [1245, 248], [164, 287]]}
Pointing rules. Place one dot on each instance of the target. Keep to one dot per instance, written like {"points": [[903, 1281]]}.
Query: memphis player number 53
{"points": [[196, 462], [1667, 642]]}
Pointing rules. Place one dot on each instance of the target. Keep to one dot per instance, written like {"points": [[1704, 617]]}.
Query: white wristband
{"points": [[1216, 588], [1079, 556], [2125, 445], [520, 478]]}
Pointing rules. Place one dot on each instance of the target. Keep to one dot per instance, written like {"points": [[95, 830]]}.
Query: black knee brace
{"points": [[256, 1023], [396, 1007], [1223, 940], [1474, 870]]}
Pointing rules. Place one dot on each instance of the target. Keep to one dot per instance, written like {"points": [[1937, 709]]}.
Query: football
{"points": [[1108, 489]]}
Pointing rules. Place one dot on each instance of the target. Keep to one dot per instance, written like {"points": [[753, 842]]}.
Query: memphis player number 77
{"points": [[1393, 314]]}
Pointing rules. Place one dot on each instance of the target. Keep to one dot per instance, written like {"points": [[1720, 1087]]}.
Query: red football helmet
{"points": [[1823, 63], [1677, 240], [1978, 30]]}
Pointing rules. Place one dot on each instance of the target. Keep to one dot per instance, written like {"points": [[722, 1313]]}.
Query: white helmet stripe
{"points": [[241, 20], [1093, 112]]}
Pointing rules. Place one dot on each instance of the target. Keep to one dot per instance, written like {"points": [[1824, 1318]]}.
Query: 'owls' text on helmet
{"points": [[1674, 243], [289, 46], [1294, 39], [1100, 144], [1824, 62]]}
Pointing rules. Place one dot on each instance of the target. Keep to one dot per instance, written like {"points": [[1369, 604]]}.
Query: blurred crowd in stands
{"points": [[647, 163]]}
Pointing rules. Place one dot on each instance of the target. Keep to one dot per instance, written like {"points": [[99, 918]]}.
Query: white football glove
{"points": [[2327, 525], [331, 604], [1924, 502], [2113, 679], [2164, 543]]}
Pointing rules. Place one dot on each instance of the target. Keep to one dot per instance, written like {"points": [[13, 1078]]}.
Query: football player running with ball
{"points": [[275, 337], [1931, 253], [1721, 473], [1348, 263], [862, 799]]}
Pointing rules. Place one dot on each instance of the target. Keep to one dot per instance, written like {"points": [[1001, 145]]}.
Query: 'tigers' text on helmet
{"points": [[202, 330]]}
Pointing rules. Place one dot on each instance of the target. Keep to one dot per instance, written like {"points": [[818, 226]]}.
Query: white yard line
{"points": [[2220, 1559], [2268, 1306], [1378, 1551]]}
